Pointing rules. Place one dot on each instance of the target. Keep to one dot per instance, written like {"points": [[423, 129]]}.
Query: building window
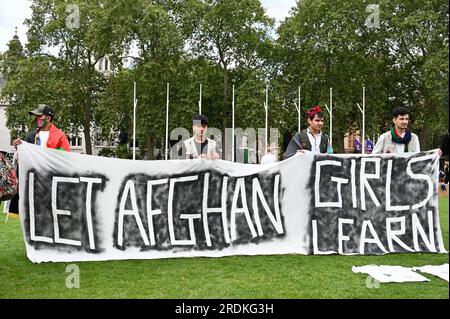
{"points": [[76, 141], [98, 139]]}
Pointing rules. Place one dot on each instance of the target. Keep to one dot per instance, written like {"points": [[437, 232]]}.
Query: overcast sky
{"points": [[14, 12]]}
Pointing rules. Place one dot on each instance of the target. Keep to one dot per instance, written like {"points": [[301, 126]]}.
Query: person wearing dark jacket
{"points": [[443, 145], [312, 138]]}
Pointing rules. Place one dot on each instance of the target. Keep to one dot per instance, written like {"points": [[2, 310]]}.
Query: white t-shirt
{"points": [[43, 137], [398, 148], [315, 141]]}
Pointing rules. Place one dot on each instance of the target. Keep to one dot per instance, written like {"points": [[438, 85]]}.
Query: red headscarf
{"points": [[313, 111]]}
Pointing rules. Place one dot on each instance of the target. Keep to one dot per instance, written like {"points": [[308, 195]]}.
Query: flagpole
{"points": [[167, 123], [330, 111], [299, 110], [331, 116], [266, 107], [134, 120], [363, 111], [200, 101], [364, 120], [232, 129]]}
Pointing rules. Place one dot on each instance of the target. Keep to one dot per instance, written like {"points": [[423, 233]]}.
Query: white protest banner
{"points": [[77, 207]]}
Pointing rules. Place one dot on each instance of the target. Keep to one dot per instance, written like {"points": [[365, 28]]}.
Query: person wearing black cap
{"points": [[46, 133], [200, 146]]}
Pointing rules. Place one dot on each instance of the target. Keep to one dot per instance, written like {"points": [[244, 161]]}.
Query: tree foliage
{"points": [[223, 43]]}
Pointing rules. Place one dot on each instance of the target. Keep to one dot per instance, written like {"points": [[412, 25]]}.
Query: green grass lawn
{"points": [[282, 276]]}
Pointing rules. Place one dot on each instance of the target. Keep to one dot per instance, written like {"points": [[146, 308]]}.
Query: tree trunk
{"points": [[87, 118], [151, 147], [425, 139], [339, 139], [425, 136]]}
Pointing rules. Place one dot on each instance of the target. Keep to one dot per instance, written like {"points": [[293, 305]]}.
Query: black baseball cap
{"points": [[200, 119], [42, 109]]}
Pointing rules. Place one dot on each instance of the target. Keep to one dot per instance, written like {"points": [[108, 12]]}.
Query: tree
{"points": [[29, 81], [156, 29], [231, 34], [219, 43], [36, 81], [82, 33], [326, 44], [417, 33]]}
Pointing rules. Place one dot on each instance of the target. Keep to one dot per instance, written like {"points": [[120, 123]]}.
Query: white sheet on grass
{"points": [[438, 271], [385, 274]]}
